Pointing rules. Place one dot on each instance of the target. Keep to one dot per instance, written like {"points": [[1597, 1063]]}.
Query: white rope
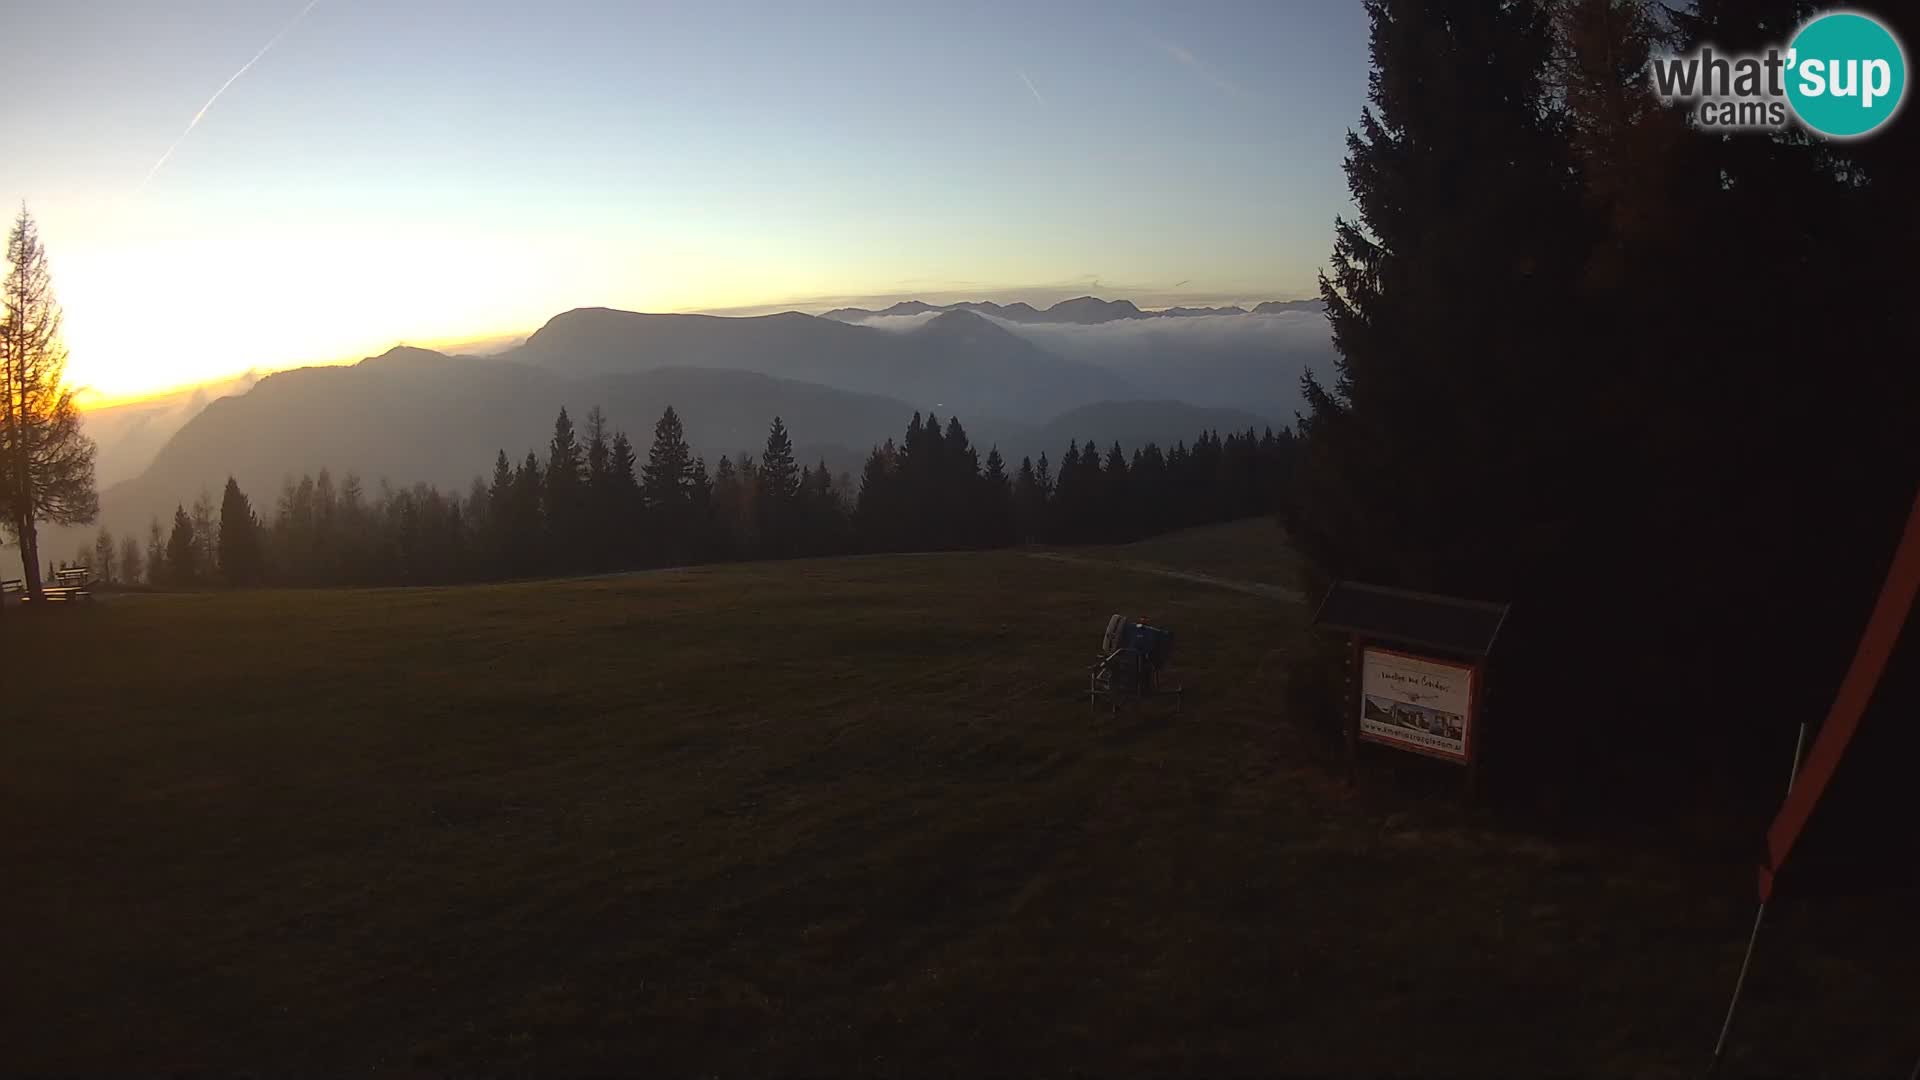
{"points": [[1726, 1026]]}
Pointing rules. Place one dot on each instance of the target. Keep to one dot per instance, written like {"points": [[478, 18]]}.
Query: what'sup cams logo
{"points": [[1843, 76]]}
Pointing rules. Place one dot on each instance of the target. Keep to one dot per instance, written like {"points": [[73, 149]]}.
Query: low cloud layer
{"points": [[1252, 362], [1150, 295]]}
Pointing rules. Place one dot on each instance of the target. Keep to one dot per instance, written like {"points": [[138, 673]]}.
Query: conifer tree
{"points": [[957, 489], [1116, 514], [239, 541], [1069, 499], [500, 514], [1026, 503], [700, 540], [565, 496], [599, 499], [995, 505], [778, 492], [527, 535], [1044, 496], [183, 551], [667, 478], [666, 486], [730, 504], [621, 464], [623, 473], [778, 479], [1421, 396], [877, 505]]}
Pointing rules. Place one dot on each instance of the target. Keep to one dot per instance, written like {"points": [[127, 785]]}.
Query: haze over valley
{"points": [[1027, 381]]}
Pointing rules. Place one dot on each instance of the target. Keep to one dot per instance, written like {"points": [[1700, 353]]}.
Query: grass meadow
{"points": [[847, 815]]}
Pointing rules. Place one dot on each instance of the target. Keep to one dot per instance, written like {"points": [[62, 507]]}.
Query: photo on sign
{"points": [[1416, 717], [1416, 703]]}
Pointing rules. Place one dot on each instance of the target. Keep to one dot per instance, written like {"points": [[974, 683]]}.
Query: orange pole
{"points": [[1856, 691]]}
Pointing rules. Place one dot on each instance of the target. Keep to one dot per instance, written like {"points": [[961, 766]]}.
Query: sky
{"points": [[434, 172]]}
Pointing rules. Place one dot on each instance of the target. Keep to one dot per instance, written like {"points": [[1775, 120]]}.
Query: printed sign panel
{"points": [[1417, 704]]}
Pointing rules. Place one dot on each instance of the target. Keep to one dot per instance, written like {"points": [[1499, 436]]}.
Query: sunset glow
{"points": [[389, 174]]}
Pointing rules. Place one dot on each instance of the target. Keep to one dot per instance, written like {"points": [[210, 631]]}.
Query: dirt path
{"points": [[1251, 588]]}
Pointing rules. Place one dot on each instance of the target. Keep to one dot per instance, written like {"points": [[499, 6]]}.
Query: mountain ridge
{"points": [[1084, 310], [977, 358], [969, 364]]}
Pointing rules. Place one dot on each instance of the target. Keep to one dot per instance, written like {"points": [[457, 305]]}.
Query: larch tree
{"points": [[46, 462], [206, 534]]}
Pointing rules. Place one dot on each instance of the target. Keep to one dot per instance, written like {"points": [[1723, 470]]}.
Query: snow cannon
{"points": [[1133, 655]]}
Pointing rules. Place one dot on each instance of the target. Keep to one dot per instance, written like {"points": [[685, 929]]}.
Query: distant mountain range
{"points": [[1278, 307], [1081, 310], [1028, 381], [956, 362], [1078, 351], [417, 415]]}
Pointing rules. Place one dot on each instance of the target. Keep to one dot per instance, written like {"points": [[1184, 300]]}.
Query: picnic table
{"points": [[68, 585]]}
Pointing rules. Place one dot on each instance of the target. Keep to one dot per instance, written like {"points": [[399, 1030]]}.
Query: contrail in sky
{"points": [[1036, 93], [191, 124]]}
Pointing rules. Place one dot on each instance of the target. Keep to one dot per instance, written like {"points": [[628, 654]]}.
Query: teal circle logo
{"points": [[1846, 74]]}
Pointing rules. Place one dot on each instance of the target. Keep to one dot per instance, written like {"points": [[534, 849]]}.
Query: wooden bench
{"points": [[14, 585], [68, 585]]}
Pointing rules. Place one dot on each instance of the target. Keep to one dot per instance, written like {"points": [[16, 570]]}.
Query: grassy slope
{"points": [[829, 815]]}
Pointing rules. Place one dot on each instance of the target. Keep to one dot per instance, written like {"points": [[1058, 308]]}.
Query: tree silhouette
{"points": [[183, 551], [1438, 199], [502, 528], [105, 557], [626, 505], [779, 487], [157, 573], [132, 566], [877, 510], [994, 509], [565, 495], [239, 537], [600, 497], [527, 536], [667, 478], [46, 462], [501, 544], [666, 487], [206, 534]]}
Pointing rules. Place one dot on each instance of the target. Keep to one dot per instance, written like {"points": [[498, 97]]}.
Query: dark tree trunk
{"points": [[30, 558]]}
